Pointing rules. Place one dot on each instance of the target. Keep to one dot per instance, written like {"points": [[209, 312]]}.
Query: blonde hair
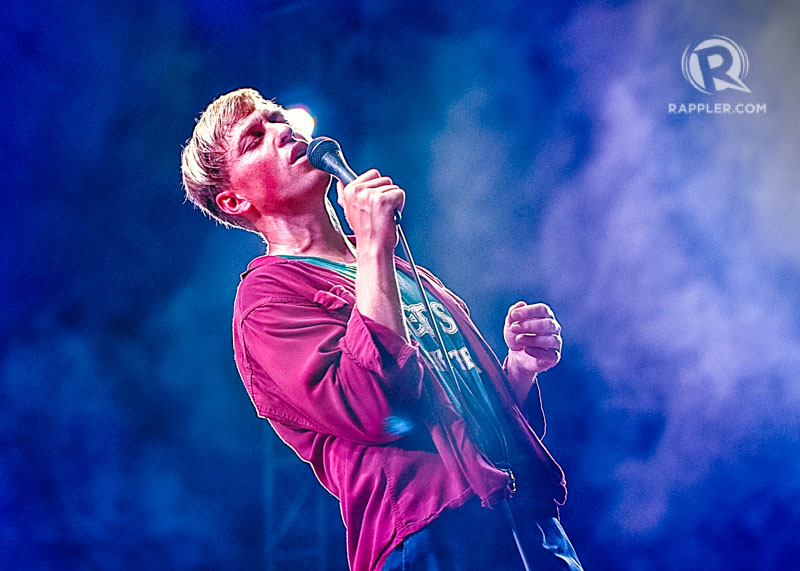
{"points": [[204, 161]]}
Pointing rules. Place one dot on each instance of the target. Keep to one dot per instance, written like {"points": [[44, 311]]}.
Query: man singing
{"points": [[433, 462]]}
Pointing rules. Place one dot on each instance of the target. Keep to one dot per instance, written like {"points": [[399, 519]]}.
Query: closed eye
{"points": [[277, 117], [252, 138]]}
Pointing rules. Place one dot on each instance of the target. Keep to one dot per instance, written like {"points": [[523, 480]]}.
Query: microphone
{"points": [[325, 154]]}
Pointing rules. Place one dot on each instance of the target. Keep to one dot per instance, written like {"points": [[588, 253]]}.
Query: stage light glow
{"points": [[301, 120]]}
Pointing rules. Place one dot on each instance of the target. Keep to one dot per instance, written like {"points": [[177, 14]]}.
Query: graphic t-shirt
{"points": [[463, 385]]}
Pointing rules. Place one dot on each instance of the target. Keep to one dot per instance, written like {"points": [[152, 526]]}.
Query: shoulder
{"points": [[404, 266], [439, 289], [271, 279]]}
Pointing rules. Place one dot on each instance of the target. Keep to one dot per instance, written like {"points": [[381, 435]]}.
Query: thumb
{"points": [[339, 193]]}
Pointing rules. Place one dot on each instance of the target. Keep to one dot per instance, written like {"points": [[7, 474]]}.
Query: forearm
{"points": [[377, 294], [369, 203], [520, 378]]}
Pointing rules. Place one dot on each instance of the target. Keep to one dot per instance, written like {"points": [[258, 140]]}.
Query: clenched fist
{"points": [[533, 337], [369, 203]]}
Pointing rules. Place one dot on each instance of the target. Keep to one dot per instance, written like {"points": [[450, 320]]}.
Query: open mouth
{"points": [[299, 151]]}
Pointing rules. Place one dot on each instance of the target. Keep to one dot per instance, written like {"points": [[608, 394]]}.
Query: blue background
{"points": [[540, 162]]}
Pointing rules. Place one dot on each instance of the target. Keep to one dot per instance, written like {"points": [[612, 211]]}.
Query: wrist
{"points": [[375, 255], [516, 369]]}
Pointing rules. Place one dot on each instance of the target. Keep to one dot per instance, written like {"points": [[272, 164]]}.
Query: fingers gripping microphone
{"points": [[326, 155]]}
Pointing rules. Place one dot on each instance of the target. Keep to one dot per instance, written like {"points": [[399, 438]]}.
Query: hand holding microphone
{"points": [[372, 202]]}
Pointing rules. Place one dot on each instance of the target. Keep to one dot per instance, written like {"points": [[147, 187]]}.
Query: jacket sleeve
{"points": [[314, 368]]}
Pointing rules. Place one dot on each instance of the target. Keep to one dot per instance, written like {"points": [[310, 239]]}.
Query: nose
{"points": [[285, 135]]}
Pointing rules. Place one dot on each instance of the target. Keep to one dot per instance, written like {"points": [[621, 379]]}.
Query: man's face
{"points": [[268, 166]]}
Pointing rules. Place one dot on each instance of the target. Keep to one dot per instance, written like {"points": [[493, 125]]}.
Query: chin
{"points": [[325, 180]]}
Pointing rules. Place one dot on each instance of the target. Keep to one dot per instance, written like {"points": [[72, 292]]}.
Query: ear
{"points": [[232, 203]]}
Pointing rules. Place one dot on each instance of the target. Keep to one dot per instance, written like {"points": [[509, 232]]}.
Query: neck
{"points": [[306, 234]]}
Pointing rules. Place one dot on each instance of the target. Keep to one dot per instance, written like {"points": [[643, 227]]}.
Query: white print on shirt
{"points": [[415, 314], [447, 323], [461, 356], [418, 319]]}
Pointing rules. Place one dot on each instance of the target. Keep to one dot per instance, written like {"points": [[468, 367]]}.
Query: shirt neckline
{"points": [[324, 260]]}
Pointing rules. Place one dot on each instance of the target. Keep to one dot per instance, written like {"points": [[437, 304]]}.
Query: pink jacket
{"points": [[328, 378]]}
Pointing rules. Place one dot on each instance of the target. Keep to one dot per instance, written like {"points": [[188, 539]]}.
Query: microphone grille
{"points": [[320, 147]]}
